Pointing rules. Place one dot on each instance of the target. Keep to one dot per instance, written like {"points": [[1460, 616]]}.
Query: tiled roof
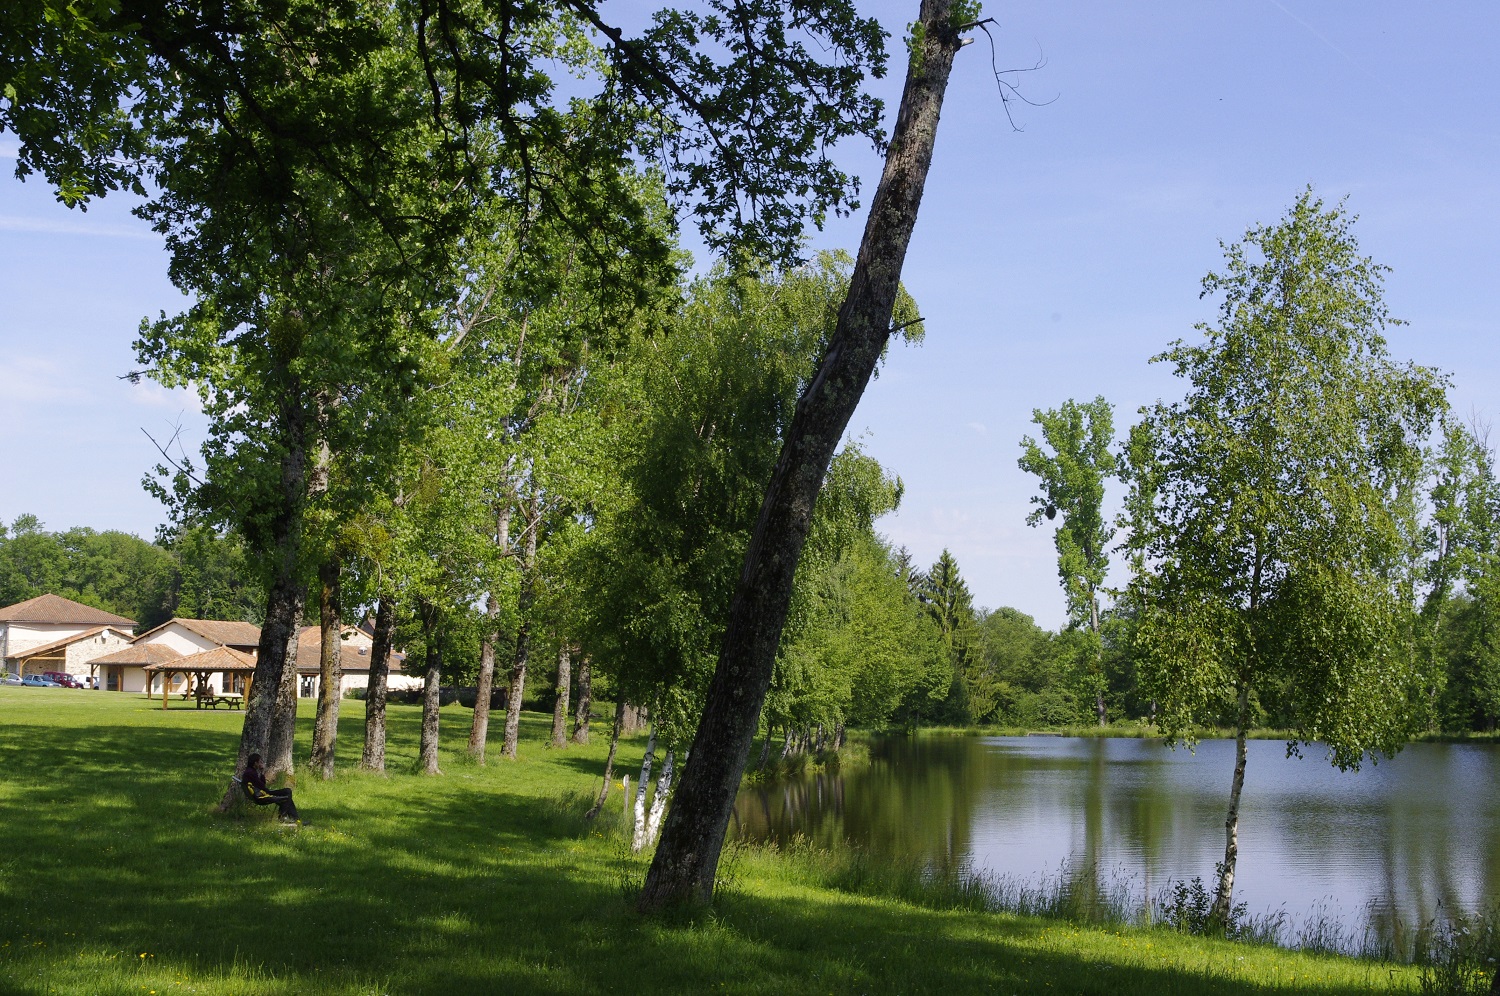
{"points": [[310, 653], [57, 644], [217, 659], [51, 608], [138, 654], [225, 634]]}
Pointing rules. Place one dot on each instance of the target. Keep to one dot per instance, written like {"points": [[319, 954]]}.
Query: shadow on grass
{"points": [[482, 881]]}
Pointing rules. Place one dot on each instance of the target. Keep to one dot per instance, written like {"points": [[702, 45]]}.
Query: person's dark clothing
{"points": [[255, 783]]}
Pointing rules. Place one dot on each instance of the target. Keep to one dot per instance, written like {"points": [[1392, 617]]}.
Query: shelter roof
{"points": [[217, 659], [58, 644], [50, 608], [139, 654]]}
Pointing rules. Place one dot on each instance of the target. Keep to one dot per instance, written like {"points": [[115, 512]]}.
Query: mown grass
{"points": [[116, 878]]}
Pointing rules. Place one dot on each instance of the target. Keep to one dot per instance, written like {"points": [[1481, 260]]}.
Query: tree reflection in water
{"points": [[1374, 853]]}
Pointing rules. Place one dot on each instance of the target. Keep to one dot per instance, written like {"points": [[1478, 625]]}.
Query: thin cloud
{"points": [[50, 226]]}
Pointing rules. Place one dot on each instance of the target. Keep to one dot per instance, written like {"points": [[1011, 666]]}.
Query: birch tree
{"points": [[1273, 510]]}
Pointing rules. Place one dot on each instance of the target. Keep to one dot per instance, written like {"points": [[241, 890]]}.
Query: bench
{"points": [[233, 700]]}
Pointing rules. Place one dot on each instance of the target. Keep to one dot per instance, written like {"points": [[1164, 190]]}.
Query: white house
{"points": [[50, 627]]}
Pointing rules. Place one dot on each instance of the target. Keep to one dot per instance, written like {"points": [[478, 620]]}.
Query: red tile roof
{"points": [[139, 654], [217, 659], [55, 609], [57, 644], [225, 634]]}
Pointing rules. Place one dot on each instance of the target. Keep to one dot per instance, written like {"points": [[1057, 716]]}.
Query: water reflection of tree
{"points": [[1404, 844]]}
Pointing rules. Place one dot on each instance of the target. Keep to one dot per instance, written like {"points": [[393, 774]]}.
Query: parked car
{"points": [[10, 679], [38, 681], [62, 679]]}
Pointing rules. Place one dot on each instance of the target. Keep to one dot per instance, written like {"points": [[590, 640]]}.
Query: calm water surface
{"points": [[1398, 837]]}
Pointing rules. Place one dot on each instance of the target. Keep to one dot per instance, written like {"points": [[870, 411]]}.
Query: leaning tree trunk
{"points": [[560, 707], [585, 709], [283, 738], [523, 638], [1218, 915], [380, 663], [479, 730], [331, 668], [432, 681], [685, 864], [609, 760]]}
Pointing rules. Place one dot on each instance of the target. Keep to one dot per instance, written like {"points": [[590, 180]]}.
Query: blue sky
{"points": [[1050, 263]]}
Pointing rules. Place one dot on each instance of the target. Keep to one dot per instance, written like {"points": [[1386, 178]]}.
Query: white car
{"points": [[10, 679]]}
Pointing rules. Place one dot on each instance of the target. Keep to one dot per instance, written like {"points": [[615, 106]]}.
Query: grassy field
{"points": [[116, 878]]}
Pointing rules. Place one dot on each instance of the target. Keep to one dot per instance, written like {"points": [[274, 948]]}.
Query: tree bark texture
{"points": [[1219, 914], [523, 637], [685, 864], [609, 761], [585, 709], [380, 665], [560, 707], [479, 730], [283, 739], [283, 616], [432, 681], [638, 824], [330, 669]]}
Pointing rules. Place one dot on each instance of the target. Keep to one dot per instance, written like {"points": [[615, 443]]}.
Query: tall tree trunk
{"points": [[638, 825], [1219, 914], [432, 682], [585, 710], [659, 801], [685, 864], [331, 667], [479, 730], [560, 707], [609, 760], [283, 616], [284, 598], [523, 636], [380, 664], [283, 738]]}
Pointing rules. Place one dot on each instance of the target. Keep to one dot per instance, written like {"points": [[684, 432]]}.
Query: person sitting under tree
{"points": [[254, 781]]}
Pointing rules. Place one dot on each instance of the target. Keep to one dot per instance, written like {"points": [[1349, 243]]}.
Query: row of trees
{"points": [[414, 260]]}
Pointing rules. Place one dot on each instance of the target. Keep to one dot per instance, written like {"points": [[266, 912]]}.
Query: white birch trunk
{"points": [[659, 801], [638, 825]]}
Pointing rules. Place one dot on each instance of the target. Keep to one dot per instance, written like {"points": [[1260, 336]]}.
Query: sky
{"points": [[1050, 262]]}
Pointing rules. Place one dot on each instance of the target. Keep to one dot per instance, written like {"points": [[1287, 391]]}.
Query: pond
{"points": [[1374, 850]]}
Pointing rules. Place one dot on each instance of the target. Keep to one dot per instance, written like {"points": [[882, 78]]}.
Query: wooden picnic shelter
{"points": [[225, 661]]}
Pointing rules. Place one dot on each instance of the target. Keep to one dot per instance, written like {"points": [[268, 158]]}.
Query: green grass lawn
{"points": [[116, 878]]}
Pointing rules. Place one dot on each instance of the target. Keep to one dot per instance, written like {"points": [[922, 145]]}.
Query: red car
{"points": [[63, 678]]}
